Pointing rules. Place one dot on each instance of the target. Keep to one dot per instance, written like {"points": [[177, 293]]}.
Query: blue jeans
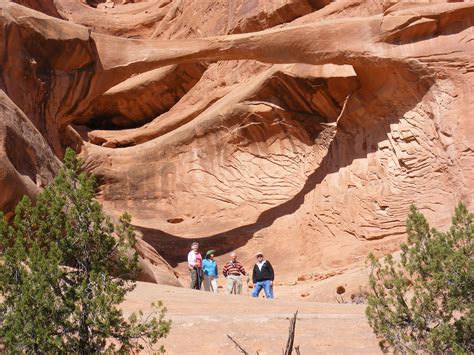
{"points": [[267, 287]]}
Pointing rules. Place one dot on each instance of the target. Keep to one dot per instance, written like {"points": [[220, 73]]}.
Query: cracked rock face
{"points": [[301, 128]]}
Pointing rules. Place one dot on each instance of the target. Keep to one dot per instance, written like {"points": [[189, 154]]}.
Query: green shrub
{"points": [[424, 302], [66, 268]]}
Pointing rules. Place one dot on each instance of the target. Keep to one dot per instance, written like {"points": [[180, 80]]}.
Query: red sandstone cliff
{"points": [[302, 128]]}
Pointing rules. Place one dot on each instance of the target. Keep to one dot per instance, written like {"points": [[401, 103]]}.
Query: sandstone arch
{"points": [[252, 155]]}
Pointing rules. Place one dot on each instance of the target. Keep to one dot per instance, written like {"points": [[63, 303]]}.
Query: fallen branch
{"points": [[237, 345], [289, 344], [291, 336]]}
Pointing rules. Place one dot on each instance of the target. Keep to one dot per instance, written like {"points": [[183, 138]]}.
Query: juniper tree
{"points": [[425, 302], [66, 268]]}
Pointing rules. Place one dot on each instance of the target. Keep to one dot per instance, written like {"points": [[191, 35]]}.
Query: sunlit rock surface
{"points": [[304, 129]]}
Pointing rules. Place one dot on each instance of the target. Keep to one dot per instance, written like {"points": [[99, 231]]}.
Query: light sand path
{"points": [[201, 321]]}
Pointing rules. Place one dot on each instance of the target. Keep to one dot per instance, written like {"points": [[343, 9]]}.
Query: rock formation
{"points": [[302, 128]]}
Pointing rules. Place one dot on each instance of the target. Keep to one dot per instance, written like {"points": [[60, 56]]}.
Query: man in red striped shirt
{"points": [[233, 272]]}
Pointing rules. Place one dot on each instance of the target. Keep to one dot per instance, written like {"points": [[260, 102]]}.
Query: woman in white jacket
{"points": [[195, 266]]}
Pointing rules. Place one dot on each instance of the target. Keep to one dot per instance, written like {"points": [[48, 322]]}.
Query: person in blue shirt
{"points": [[209, 266]]}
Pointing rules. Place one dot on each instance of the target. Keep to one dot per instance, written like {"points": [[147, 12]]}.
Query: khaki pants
{"points": [[196, 278], [234, 284], [210, 283]]}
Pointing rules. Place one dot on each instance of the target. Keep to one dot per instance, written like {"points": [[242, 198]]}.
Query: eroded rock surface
{"points": [[302, 128], [27, 163]]}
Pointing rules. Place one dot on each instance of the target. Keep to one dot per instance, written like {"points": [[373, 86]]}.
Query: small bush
{"points": [[424, 302], [65, 269]]}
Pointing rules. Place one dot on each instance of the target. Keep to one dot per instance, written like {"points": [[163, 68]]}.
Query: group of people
{"points": [[205, 272]]}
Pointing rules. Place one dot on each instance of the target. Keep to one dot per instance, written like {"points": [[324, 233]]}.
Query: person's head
{"points": [[195, 246], [233, 256], [210, 254], [259, 256]]}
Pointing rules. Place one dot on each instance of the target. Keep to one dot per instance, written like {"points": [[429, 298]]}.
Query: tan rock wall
{"points": [[305, 128]]}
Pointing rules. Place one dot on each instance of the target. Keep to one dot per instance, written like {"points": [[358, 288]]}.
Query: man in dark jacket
{"points": [[263, 277]]}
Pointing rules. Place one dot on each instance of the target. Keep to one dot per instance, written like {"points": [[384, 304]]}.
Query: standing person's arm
{"points": [[254, 274], [225, 269], [191, 260], [272, 273], [242, 270], [215, 270]]}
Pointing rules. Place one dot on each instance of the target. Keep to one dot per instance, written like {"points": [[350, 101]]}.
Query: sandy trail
{"points": [[201, 321]]}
